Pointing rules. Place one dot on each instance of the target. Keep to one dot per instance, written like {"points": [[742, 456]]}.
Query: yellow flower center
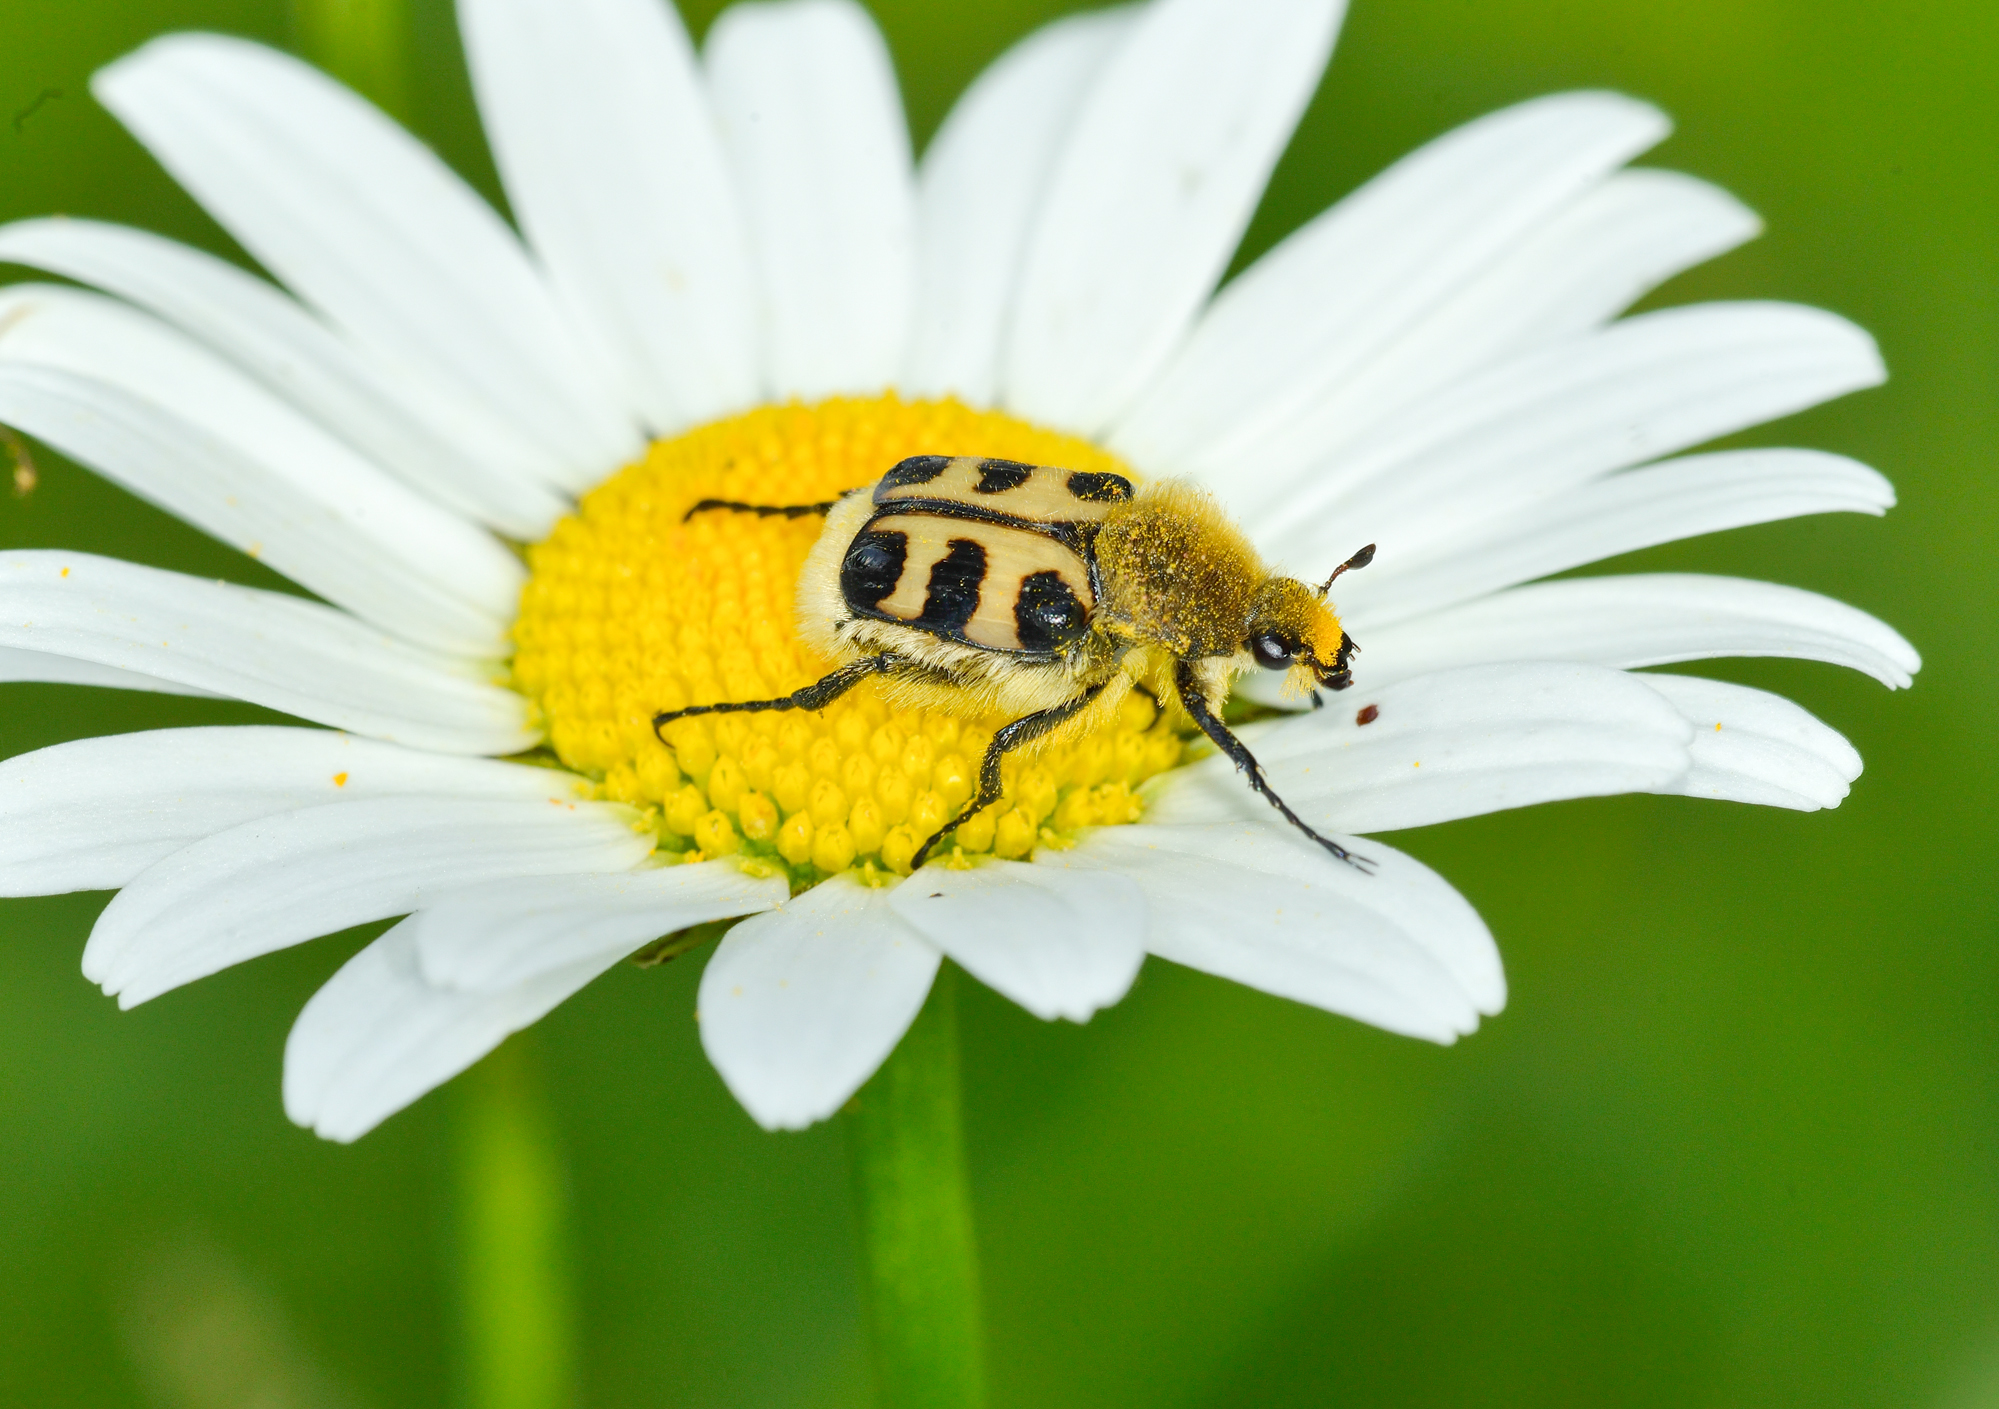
{"points": [[630, 610]]}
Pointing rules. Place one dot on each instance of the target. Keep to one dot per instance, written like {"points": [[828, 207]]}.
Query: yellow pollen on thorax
{"points": [[629, 611]]}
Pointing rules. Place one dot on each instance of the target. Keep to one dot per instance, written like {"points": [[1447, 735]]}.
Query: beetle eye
{"points": [[1272, 652]]}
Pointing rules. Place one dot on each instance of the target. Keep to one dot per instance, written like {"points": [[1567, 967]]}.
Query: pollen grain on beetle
{"points": [[631, 608]]}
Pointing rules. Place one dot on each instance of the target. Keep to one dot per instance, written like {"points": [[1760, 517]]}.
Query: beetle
{"points": [[980, 585]]}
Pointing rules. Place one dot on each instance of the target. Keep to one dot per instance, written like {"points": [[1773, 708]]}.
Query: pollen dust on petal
{"points": [[629, 611], [339, 780]]}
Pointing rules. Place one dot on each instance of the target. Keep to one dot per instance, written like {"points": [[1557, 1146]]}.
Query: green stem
{"points": [[363, 43], [515, 1317], [921, 1275]]}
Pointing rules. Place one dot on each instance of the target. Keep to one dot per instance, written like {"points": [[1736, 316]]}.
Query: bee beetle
{"points": [[1046, 595]]}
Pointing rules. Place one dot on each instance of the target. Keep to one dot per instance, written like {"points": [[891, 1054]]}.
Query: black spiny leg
{"points": [[769, 511], [762, 511], [817, 695], [1024, 730], [1196, 705]]}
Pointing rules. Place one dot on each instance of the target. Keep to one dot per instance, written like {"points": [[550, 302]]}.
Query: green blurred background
{"points": [[1734, 1142]]}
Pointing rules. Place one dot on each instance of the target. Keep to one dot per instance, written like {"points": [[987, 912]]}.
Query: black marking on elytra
{"points": [[998, 476], [1047, 614], [872, 568], [955, 580], [1098, 487], [1074, 536], [917, 469]]}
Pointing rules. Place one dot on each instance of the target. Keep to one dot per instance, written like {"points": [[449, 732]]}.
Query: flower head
{"points": [[730, 282]]}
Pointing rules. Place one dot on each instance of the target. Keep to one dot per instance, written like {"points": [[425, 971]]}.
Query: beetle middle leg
{"points": [[817, 695], [1024, 730]]}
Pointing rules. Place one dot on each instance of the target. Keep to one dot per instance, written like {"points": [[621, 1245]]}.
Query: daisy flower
{"points": [[472, 446]]}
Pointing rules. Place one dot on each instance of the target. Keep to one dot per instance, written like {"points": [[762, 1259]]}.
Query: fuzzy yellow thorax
{"points": [[628, 611]]}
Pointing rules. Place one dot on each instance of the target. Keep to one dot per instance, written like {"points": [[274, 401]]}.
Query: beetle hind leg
{"points": [[767, 511], [1024, 730], [762, 511]]}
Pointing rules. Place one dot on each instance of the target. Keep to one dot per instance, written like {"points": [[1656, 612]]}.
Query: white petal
{"points": [[1573, 274], [140, 403], [799, 1006], [329, 548], [1753, 746], [1329, 298], [1062, 943], [93, 813], [265, 647], [1259, 904], [1458, 743], [1147, 202], [980, 189], [813, 125], [43, 668], [270, 337], [292, 876], [1635, 620], [376, 1036], [613, 165], [1617, 514], [510, 931], [368, 226], [1641, 388]]}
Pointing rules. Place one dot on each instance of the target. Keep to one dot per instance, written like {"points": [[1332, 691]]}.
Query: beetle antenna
{"points": [[1358, 560]]}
